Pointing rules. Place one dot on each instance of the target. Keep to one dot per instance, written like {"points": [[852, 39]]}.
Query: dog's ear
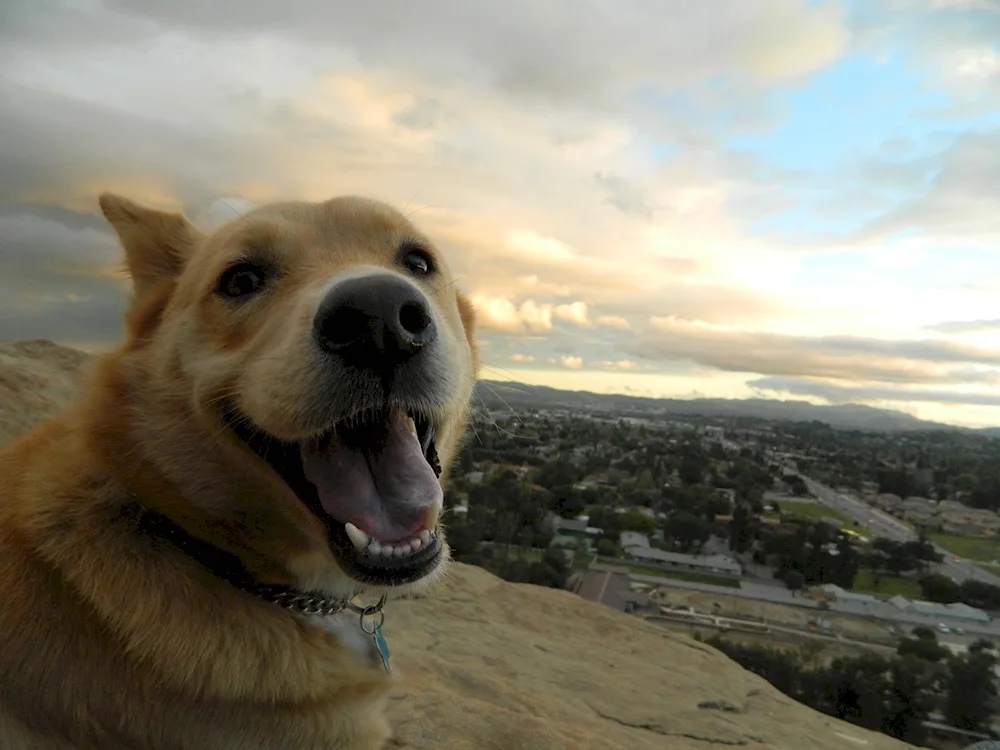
{"points": [[467, 312], [157, 244]]}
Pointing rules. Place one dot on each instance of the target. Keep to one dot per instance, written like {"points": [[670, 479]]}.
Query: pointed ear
{"points": [[156, 244], [468, 314]]}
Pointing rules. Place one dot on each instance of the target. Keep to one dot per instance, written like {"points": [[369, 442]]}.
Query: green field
{"points": [[680, 575], [981, 550], [864, 582], [812, 510]]}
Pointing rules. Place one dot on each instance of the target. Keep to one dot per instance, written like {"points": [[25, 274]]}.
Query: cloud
{"points": [[623, 364], [966, 326], [574, 312], [846, 357], [571, 363], [614, 321], [582, 51], [844, 394], [598, 176]]}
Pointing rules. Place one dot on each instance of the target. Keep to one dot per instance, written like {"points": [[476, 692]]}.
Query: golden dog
{"points": [[179, 552]]}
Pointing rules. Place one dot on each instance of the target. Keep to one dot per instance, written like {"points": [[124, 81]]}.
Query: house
{"points": [[835, 593], [957, 611], [628, 539], [888, 501], [579, 526], [718, 565], [919, 504]]}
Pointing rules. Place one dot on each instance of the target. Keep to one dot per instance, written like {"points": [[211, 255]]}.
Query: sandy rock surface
{"points": [[482, 663]]}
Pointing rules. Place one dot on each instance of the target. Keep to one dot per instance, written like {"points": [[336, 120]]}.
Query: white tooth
{"points": [[416, 544], [431, 516], [397, 552], [411, 424], [374, 549], [407, 549], [358, 538], [425, 536], [387, 550]]}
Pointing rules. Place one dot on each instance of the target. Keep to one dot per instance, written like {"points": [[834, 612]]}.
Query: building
{"points": [[637, 547], [956, 612], [835, 593], [629, 539], [579, 526]]}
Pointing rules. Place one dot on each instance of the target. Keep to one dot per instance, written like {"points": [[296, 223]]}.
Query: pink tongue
{"points": [[389, 500]]}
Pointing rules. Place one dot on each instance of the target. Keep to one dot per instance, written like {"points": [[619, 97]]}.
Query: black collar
{"points": [[230, 568]]}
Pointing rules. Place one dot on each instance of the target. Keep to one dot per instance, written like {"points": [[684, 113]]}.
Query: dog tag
{"points": [[382, 647]]}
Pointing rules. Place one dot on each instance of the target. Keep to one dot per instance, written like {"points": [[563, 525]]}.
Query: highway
{"points": [[882, 524]]}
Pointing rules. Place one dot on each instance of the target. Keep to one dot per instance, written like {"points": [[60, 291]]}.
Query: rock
{"points": [[38, 379], [482, 663]]}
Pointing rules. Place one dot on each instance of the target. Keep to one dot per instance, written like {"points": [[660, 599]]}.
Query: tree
{"points": [[908, 702], [740, 530], [981, 644], [940, 588], [795, 581], [605, 548], [557, 474], [692, 468], [797, 485], [970, 690], [924, 633], [923, 648], [687, 531]]}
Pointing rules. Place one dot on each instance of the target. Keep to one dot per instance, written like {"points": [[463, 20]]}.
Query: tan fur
{"points": [[110, 640]]}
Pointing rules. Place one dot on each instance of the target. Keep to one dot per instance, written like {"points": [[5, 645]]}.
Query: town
{"points": [[818, 558]]}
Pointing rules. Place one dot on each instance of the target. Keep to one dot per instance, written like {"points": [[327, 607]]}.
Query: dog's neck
{"points": [[229, 568]]}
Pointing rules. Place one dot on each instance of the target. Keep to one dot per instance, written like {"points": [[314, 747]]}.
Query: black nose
{"points": [[374, 320]]}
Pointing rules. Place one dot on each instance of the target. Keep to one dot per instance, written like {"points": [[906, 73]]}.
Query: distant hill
{"points": [[40, 378], [498, 395]]}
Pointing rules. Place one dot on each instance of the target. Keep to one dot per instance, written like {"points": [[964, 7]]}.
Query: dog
{"points": [[182, 550]]}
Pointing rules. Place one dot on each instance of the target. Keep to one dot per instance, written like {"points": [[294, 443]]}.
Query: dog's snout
{"points": [[374, 319]]}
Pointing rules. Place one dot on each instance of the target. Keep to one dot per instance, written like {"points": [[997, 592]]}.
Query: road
{"points": [[882, 524]]}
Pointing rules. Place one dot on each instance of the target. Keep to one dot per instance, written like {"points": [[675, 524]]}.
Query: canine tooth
{"points": [[411, 424], [374, 549], [358, 538], [425, 536], [431, 516]]}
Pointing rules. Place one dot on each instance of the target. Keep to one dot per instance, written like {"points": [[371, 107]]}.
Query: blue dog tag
{"points": [[383, 648]]}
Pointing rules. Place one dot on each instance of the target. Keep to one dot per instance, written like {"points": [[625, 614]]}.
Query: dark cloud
{"points": [[577, 49], [840, 357], [960, 200], [966, 326], [59, 277], [624, 196], [839, 394]]}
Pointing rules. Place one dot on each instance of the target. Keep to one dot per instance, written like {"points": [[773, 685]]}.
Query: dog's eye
{"points": [[417, 262], [243, 280]]}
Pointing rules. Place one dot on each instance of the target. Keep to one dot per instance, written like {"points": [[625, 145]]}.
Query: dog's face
{"points": [[327, 340]]}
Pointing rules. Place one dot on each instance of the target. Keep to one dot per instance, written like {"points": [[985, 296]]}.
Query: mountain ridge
{"points": [[512, 394]]}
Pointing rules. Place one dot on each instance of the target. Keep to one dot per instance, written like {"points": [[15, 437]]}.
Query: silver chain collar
{"points": [[323, 607]]}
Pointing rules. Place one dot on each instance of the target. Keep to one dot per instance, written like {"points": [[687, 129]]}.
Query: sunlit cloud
{"points": [[634, 198]]}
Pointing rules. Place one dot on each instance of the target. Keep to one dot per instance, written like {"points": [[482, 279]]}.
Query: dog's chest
{"points": [[347, 628]]}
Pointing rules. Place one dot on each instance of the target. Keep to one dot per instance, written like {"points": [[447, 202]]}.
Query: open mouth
{"points": [[373, 481]]}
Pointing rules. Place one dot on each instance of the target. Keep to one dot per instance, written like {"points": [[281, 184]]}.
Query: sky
{"points": [[794, 199]]}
